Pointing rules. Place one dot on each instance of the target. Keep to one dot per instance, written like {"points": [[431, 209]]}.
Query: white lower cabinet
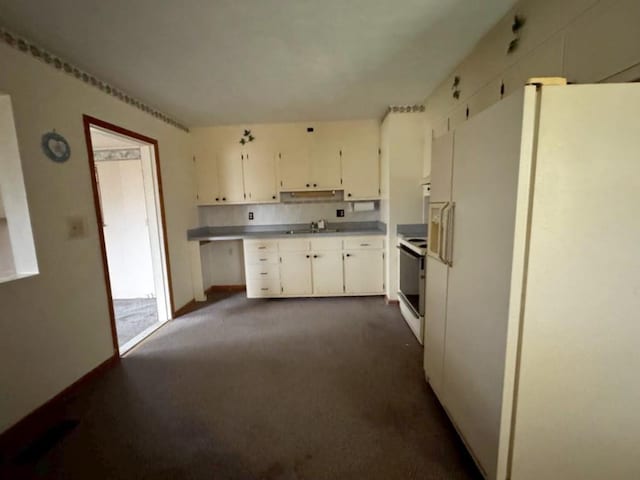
{"points": [[295, 273], [363, 271], [327, 273], [318, 266]]}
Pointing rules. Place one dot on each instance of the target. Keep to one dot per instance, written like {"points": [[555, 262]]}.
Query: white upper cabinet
{"points": [[544, 61], [206, 168], [603, 42], [260, 173], [294, 163], [361, 160], [230, 174], [324, 143]]}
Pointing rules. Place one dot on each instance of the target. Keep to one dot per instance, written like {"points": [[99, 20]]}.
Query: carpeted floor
{"points": [[134, 316], [285, 389]]}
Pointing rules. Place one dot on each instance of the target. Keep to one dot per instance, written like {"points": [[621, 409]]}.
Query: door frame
{"points": [[88, 122]]}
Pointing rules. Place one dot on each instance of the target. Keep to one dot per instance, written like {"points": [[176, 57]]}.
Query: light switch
{"points": [[76, 227]]}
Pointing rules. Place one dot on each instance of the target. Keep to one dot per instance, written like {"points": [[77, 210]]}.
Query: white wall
{"points": [[56, 325], [402, 171]]}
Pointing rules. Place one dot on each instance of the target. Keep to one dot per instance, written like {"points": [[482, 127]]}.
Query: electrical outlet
{"points": [[250, 215], [340, 213], [76, 227]]}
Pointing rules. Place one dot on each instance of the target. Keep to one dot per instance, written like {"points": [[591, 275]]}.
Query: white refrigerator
{"points": [[532, 335]]}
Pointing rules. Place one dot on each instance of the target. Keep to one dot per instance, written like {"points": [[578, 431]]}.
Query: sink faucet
{"points": [[314, 227]]}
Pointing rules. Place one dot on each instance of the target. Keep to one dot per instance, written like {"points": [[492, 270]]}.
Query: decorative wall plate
{"points": [[56, 147]]}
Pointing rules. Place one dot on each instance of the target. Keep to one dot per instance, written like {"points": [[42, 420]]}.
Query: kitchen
{"points": [[487, 228]]}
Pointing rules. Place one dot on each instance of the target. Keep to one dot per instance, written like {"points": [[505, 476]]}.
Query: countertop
{"points": [[202, 234]]}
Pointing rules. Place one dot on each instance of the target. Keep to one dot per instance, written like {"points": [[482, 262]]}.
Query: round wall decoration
{"points": [[56, 147]]}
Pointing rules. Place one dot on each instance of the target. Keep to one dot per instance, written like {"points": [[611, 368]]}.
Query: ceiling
{"points": [[209, 62]]}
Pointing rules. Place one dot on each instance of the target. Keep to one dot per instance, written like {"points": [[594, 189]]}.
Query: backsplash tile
{"points": [[281, 213]]}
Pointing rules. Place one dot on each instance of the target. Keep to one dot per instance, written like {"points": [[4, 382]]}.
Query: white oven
{"points": [[411, 291]]}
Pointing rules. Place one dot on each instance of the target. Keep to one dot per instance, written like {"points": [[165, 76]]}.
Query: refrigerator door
{"points": [[485, 178], [437, 274], [578, 391]]}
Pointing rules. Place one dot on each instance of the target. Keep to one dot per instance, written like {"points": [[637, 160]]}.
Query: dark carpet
{"points": [[285, 389], [134, 316]]}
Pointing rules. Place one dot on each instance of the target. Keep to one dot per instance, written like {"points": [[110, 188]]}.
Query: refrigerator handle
{"points": [[447, 239], [442, 249]]}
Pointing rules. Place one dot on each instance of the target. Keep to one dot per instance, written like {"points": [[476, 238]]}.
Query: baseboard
{"points": [[226, 288], [42, 418], [388, 301], [186, 308]]}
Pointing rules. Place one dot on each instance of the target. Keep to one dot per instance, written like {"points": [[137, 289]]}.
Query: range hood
{"points": [[307, 196]]}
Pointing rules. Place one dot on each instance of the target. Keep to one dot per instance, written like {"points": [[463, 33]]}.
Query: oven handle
{"points": [[408, 251]]}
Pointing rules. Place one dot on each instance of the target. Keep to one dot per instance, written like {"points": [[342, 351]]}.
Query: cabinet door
{"points": [[294, 164], [327, 273], [603, 41], [361, 162], [295, 273], [324, 144], [206, 164], [363, 271], [260, 175], [230, 175]]}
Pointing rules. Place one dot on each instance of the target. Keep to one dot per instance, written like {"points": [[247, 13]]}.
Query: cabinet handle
{"points": [[348, 255], [264, 289], [224, 199], [273, 196], [315, 256], [308, 185], [365, 244], [263, 259], [217, 199], [263, 273], [308, 256], [348, 194], [262, 247], [315, 184]]}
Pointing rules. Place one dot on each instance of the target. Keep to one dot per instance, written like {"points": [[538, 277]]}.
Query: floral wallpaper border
{"points": [[406, 108], [58, 63]]}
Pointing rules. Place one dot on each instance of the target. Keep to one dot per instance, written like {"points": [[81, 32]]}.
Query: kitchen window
{"points": [[17, 250]]}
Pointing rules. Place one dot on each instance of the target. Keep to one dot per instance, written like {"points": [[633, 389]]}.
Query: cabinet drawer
{"points": [[363, 243], [261, 258], [263, 271], [333, 243], [294, 245], [263, 287], [260, 246]]}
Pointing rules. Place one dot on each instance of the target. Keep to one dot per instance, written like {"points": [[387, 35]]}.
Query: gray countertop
{"points": [[201, 234]]}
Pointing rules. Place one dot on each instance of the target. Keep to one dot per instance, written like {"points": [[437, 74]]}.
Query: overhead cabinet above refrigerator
{"points": [[533, 283]]}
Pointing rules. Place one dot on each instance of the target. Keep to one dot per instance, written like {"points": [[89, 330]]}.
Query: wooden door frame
{"points": [[89, 122]]}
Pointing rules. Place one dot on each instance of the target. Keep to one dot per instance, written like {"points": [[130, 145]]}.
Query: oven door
{"points": [[411, 279]]}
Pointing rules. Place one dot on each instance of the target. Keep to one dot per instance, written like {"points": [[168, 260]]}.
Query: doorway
{"points": [[130, 211]]}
